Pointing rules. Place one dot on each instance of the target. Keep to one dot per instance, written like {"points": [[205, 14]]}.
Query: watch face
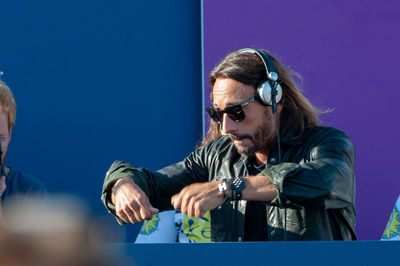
{"points": [[237, 185]]}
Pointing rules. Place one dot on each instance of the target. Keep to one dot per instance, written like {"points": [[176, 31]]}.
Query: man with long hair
{"points": [[266, 170]]}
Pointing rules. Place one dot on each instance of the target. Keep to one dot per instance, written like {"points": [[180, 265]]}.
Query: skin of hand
{"points": [[2, 185], [198, 198], [2, 189], [131, 203]]}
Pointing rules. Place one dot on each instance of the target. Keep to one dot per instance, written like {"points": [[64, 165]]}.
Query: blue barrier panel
{"points": [[265, 253]]}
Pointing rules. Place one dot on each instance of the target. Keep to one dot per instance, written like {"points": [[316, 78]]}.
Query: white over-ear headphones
{"points": [[269, 91]]}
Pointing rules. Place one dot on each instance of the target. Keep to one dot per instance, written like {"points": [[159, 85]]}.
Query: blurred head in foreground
{"points": [[56, 231]]}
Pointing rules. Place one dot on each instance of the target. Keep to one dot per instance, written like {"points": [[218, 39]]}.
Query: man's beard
{"points": [[262, 140]]}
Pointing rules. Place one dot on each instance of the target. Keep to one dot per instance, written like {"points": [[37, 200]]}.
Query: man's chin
{"points": [[242, 143], [247, 150]]}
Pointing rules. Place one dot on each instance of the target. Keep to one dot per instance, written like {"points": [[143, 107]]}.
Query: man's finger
{"points": [[137, 217], [134, 212], [147, 211], [121, 214], [176, 201], [184, 201], [190, 207], [154, 210], [146, 214], [198, 212], [129, 212]]}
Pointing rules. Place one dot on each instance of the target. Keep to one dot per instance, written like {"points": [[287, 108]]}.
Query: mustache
{"points": [[240, 137]]}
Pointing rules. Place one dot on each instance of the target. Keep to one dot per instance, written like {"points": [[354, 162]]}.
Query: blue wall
{"points": [[97, 81]]}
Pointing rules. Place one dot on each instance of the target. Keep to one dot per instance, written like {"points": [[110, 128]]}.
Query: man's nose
{"points": [[228, 125]]}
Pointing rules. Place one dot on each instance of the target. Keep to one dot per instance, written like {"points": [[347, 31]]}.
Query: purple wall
{"points": [[347, 53]]}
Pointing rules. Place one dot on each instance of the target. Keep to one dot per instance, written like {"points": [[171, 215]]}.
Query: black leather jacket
{"points": [[315, 184]]}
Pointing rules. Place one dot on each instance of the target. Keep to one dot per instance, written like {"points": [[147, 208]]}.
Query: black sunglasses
{"points": [[235, 112]]}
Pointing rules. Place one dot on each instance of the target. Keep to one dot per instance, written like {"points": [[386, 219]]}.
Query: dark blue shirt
{"points": [[19, 183]]}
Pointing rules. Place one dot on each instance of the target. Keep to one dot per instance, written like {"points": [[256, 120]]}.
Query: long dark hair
{"points": [[213, 133]]}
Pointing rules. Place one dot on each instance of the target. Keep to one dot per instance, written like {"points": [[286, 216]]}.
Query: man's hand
{"points": [[2, 185], [2, 189], [198, 198], [131, 203]]}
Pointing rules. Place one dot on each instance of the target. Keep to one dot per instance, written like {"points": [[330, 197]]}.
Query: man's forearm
{"points": [[259, 188]]}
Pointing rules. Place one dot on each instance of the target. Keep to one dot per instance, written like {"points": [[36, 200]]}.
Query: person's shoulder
{"points": [[328, 135], [25, 182]]}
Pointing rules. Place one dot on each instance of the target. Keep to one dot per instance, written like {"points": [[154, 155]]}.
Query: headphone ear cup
{"points": [[264, 92]]}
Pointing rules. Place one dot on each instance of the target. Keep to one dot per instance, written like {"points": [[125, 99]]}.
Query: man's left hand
{"points": [[198, 198]]}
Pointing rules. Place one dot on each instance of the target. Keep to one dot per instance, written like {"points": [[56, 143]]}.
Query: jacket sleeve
{"points": [[324, 177], [161, 185]]}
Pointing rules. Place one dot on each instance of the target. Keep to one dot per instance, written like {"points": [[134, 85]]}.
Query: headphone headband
{"points": [[269, 67]]}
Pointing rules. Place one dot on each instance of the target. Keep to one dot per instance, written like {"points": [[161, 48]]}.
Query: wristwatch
{"points": [[237, 185]]}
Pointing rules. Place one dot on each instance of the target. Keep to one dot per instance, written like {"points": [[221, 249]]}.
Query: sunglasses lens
{"points": [[214, 114], [235, 113]]}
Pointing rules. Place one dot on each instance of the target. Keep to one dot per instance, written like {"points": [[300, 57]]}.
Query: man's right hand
{"points": [[2, 189], [131, 203], [2, 185]]}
